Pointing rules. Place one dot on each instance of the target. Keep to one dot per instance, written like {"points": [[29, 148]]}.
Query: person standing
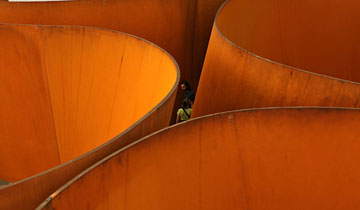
{"points": [[188, 93], [184, 112]]}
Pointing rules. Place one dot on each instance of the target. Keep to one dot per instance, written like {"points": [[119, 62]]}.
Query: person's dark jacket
{"points": [[190, 95]]}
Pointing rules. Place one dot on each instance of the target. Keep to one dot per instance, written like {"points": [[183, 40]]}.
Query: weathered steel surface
{"points": [[259, 50], [181, 27], [27, 131], [257, 57], [296, 158], [168, 24], [74, 91], [204, 19], [175, 25]]}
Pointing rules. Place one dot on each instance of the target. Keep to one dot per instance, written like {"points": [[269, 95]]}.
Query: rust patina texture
{"points": [[296, 158], [279, 53], [74, 93]]}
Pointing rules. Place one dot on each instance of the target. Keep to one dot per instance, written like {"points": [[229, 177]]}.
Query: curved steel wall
{"points": [[174, 25], [255, 159], [181, 27], [309, 35], [255, 57], [68, 91], [165, 23], [238, 74]]}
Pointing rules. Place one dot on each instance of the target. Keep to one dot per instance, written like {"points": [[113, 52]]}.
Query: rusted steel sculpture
{"points": [[204, 18], [279, 53], [70, 92], [181, 27], [262, 53], [174, 25], [255, 159]]}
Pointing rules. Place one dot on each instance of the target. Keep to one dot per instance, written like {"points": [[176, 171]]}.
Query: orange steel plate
{"points": [[181, 27], [289, 158], [279, 53], [70, 92]]}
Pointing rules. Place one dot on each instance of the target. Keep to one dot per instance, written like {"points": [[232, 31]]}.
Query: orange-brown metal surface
{"points": [[181, 27], [262, 53], [70, 90], [257, 159], [204, 18], [309, 35], [27, 131], [176, 25], [258, 47], [168, 24]]}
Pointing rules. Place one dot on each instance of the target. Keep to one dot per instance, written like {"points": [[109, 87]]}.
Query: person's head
{"points": [[184, 85], [186, 103]]}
